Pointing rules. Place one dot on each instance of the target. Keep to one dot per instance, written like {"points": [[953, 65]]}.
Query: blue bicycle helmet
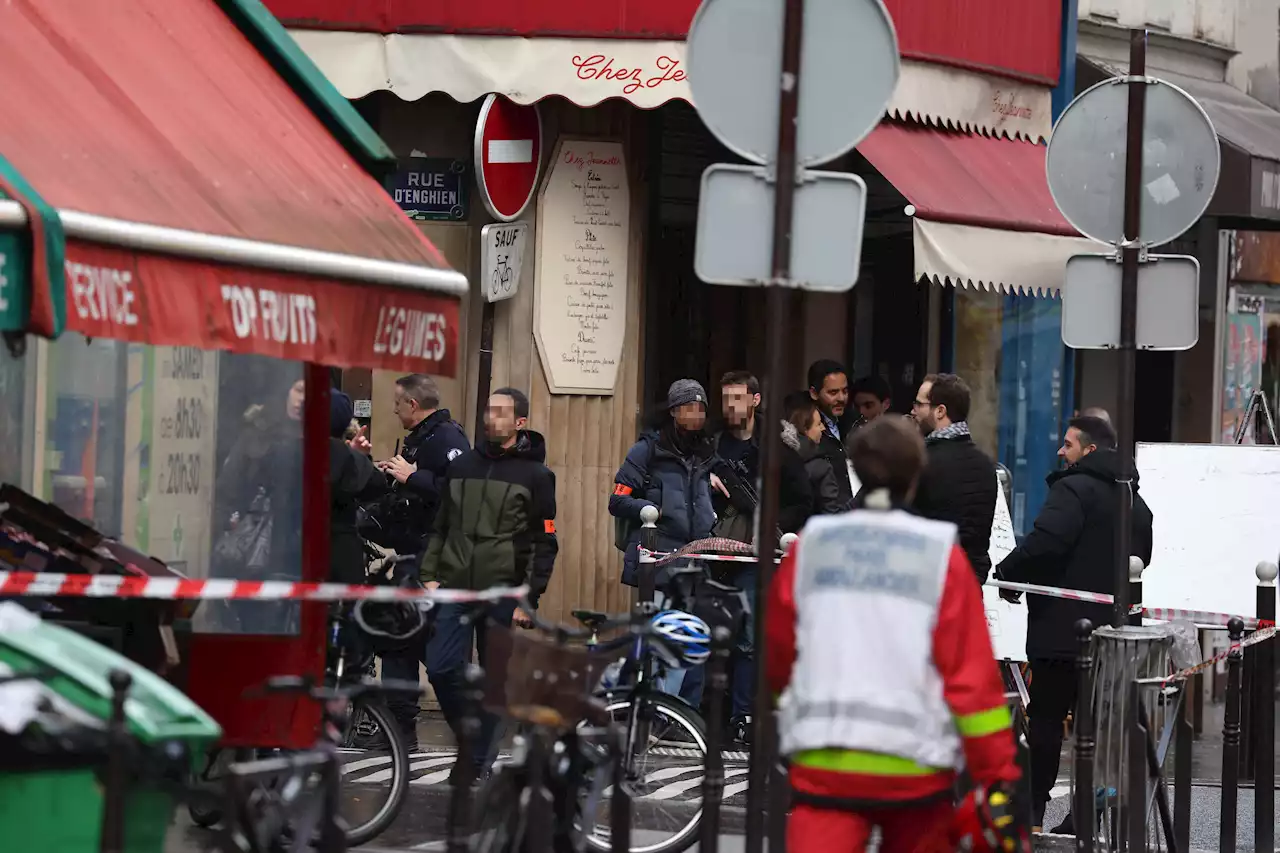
{"points": [[683, 634]]}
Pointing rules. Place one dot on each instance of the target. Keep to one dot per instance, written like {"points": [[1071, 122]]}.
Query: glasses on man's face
{"points": [[919, 404]]}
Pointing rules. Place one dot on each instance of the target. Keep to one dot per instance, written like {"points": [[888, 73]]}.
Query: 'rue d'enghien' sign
{"points": [[431, 188]]}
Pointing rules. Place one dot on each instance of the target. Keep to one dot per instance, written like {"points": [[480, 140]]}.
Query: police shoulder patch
{"points": [[453, 454]]}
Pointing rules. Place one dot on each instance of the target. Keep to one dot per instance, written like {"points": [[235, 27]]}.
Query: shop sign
{"points": [[169, 301], [431, 188], [12, 279], [182, 459], [1264, 191]]}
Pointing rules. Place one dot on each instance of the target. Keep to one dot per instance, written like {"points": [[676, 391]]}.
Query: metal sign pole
{"points": [[484, 377], [763, 730], [1129, 254]]}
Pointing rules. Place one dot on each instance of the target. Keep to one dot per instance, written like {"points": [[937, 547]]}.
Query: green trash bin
{"points": [[60, 808]]}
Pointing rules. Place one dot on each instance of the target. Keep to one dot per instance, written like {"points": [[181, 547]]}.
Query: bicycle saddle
{"points": [[591, 619]]}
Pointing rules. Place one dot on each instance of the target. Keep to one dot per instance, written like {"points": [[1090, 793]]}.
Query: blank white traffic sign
{"points": [[1168, 302], [735, 228]]}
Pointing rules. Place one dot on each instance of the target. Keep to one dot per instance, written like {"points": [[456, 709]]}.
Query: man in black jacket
{"points": [[1072, 546], [418, 475], [496, 527], [829, 388], [735, 481], [959, 480]]}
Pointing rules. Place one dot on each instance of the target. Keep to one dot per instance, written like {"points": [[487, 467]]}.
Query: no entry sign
{"points": [[508, 155]]}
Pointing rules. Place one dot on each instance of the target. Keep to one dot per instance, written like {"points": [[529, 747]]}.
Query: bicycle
{"points": [[368, 729], [658, 724], [574, 750], [292, 801]]}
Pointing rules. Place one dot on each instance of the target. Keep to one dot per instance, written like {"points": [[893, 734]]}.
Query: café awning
{"points": [[646, 72], [177, 165], [983, 215]]}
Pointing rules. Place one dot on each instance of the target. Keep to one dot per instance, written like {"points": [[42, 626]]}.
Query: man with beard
{"points": [[735, 485], [1071, 546], [496, 527], [959, 482], [829, 388]]}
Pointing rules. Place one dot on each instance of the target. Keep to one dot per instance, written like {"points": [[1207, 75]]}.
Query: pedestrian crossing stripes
{"points": [[676, 782]]}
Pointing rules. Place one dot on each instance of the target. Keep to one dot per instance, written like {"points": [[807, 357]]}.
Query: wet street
{"points": [[673, 794]]}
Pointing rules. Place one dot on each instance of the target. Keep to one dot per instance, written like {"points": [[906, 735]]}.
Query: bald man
{"points": [[1096, 412]]}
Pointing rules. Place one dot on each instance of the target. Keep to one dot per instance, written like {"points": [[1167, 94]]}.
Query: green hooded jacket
{"points": [[496, 522]]}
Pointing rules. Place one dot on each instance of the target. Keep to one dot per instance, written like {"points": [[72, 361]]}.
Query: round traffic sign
{"points": [[848, 70], [1085, 162], [508, 155]]}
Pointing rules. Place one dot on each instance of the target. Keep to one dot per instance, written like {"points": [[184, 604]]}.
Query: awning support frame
{"points": [[241, 252]]}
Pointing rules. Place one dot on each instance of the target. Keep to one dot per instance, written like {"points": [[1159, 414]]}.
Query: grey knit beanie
{"points": [[685, 391]]}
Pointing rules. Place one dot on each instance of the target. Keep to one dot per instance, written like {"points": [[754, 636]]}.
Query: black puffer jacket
{"points": [[1072, 546], [959, 485]]}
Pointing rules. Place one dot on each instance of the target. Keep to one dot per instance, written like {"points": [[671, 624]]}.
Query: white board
{"points": [[1006, 622], [1215, 509]]}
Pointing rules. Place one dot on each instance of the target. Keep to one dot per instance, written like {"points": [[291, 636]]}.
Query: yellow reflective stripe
{"points": [[984, 722], [867, 763]]}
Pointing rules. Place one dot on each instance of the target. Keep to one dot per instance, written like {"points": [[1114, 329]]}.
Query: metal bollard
{"points": [[620, 804], [1264, 691], [648, 541], [1135, 799], [1231, 742], [713, 768], [333, 835], [1184, 732], [460, 820], [1083, 809], [1135, 588], [116, 783]]}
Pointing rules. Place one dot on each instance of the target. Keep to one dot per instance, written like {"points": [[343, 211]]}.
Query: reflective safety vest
{"points": [[867, 590]]}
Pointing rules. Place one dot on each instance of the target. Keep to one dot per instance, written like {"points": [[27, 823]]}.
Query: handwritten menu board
{"points": [[583, 237]]}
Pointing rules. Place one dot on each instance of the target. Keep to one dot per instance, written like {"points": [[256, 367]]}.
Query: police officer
{"points": [[434, 440]]}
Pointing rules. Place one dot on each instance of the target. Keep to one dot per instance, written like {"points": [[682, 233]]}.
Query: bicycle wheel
{"points": [[664, 781], [384, 764]]}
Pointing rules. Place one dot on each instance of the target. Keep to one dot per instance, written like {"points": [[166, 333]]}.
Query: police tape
{"points": [[48, 585], [741, 552], [1158, 614], [1253, 639]]}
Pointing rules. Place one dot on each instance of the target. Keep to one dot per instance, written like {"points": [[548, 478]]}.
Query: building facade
{"points": [[962, 255], [1223, 55]]}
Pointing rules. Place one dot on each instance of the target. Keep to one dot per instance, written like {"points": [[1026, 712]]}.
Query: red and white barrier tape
{"points": [[170, 589], [1159, 614], [1252, 640]]}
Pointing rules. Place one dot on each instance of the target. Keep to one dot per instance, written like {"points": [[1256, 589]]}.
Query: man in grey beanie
{"points": [[668, 468]]}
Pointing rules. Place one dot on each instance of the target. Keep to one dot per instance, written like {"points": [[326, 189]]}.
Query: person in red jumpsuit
{"points": [[877, 645]]}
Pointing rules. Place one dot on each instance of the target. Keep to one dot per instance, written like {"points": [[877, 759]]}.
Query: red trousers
{"points": [[918, 829]]}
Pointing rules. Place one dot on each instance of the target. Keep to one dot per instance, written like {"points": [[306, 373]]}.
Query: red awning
{"points": [[203, 201], [983, 212], [966, 178]]}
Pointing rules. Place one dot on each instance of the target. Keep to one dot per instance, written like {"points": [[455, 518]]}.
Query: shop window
{"points": [[1009, 349], [190, 456], [16, 432]]}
